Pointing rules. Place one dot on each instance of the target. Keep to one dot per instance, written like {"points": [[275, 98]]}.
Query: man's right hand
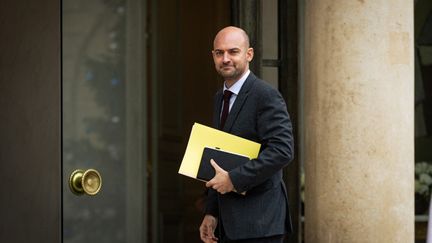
{"points": [[207, 229]]}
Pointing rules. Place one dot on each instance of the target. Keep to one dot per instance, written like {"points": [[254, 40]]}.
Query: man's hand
{"points": [[221, 182], [207, 229]]}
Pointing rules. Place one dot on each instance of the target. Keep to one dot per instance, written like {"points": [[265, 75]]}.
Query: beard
{"points": [[233, 73]]}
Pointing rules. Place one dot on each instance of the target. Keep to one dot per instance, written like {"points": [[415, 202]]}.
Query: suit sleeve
{"points": [[274, 130], [211, 206]]}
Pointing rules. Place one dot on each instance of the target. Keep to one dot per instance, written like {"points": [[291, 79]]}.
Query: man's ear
{"points": [[249, 54]]}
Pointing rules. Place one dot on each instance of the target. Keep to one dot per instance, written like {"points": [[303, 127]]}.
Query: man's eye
{"points": [[218, 53], [234, 52]]}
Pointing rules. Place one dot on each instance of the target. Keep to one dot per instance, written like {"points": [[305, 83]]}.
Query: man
{"points": [[249, 203]]}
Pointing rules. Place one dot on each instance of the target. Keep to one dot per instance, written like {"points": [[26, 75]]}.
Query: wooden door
{"points": [[30, 118]]}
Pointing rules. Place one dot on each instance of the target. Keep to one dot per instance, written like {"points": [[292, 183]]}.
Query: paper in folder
{"points": [[202, 136]]}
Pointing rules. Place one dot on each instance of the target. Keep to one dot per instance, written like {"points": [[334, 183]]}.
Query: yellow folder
{"points": [[202, 136]]}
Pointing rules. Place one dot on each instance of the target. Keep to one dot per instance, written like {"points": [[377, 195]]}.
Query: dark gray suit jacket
{"points": [[259, 113]]}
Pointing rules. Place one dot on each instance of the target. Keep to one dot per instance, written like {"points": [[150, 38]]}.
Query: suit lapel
{"points": [[217, 109], [238, 103]]}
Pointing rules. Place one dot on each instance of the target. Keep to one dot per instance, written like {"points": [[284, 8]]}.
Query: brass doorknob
{"points": [[85, 182]]}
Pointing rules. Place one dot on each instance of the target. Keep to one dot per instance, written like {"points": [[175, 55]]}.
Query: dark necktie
{"points": [[225, 109]]}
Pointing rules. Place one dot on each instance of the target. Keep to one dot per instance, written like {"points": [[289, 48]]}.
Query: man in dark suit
{"points": [[249, 203]]}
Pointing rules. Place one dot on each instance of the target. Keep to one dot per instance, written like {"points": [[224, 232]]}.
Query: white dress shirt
{"points": [[235, 89]]}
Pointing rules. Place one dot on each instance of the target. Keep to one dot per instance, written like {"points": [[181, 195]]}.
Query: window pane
{"points": [[270, 74], [270, 29]]}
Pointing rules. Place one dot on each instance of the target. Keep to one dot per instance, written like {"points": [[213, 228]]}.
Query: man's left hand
{"points": [[221, 182]]}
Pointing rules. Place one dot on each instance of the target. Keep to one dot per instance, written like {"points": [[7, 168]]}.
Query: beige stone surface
{"points": [[359, 121]]}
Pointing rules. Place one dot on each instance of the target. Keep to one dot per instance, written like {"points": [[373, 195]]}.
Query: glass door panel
{"points": [[103, 123]]}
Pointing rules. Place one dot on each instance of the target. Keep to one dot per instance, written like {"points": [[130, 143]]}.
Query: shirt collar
{"points": [[237, 85]]}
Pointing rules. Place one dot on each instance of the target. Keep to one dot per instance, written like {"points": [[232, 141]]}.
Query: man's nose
{"points": [[226, 58]]}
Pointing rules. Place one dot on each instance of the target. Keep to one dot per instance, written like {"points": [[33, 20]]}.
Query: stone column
{"points": [[359, 121]]}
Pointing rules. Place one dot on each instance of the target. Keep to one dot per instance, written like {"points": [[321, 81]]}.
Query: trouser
{"points": [[271, 239]]}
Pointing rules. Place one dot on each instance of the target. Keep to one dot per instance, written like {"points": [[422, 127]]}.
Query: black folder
{"points": [[224, 159]]}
